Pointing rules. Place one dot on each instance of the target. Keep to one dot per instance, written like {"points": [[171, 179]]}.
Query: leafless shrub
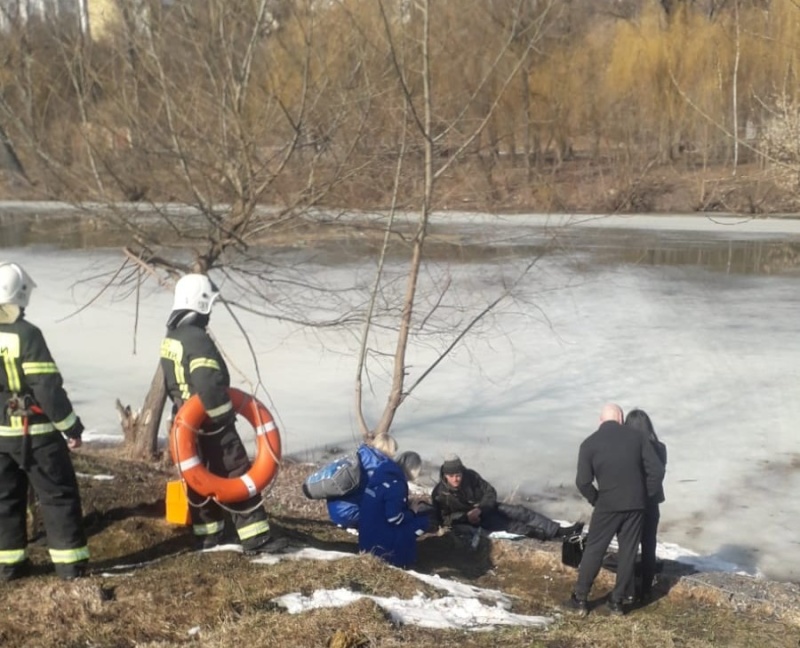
{"points": [[780, 139]]}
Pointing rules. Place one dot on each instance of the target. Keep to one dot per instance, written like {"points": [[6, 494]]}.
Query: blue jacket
{"points": [[388, 527], [343, 511]]}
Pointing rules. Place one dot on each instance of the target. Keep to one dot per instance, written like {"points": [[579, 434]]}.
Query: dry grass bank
{"points": [[176, 597]]}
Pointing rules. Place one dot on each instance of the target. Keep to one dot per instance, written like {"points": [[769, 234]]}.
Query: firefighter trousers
{"points": [[224, 454], [46, 465]]}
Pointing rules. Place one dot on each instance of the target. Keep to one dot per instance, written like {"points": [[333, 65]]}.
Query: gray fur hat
{"points": [[452, 465], [411, 463]]}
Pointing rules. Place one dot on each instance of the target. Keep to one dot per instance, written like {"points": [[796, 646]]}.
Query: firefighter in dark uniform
{"points": [[36, 417], [192, 364]]}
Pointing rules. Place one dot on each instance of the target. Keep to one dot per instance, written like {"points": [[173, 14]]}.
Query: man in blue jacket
{"points": [[389, 528]]}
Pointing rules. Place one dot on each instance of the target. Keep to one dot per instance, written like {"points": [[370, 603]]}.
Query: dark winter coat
{"points": [[344, 510], [661, 451], [388, 528], [451, 505], [624, 465]]}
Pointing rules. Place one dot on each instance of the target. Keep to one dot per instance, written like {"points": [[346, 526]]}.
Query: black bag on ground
{"points": [[572, 550], [335, 479]]}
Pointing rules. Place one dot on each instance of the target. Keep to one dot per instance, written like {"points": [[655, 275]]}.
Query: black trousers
{"points": [[649, 540], [519, 519], [604, 525], [47, 466], [224, 454]]}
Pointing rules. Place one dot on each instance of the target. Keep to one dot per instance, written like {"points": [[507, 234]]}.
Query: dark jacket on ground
{"points": [[607, 457], [388, 528], [192, 364], [29, 376]]}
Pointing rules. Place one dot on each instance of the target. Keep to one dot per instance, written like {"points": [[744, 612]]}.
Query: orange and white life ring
{"points": [[226, 490]]}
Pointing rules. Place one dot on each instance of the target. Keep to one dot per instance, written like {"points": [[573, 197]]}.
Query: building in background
{"points": [[94, 17]]}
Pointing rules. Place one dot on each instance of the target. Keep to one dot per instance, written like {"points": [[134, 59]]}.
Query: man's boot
{"points": [[263, 543], [15, 571], [71, 571]]}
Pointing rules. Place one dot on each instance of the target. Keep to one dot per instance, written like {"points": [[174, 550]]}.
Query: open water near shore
{"points": [[693, 319]]}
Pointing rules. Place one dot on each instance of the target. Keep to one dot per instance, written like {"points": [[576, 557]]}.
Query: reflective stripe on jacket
{"points": [[192, 364], [28, 372]]}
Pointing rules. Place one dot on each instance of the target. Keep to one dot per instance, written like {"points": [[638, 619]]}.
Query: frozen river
{"points": [[692, 319]]}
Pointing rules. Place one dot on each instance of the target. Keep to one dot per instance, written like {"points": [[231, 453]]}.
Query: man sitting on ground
{"points": [[463, 497]]}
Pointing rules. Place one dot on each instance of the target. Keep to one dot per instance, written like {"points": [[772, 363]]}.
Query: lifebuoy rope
{"points": [[261, 426]]}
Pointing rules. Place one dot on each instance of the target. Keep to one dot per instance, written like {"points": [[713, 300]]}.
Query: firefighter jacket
{"points": [[192, 364], [29, 377]]}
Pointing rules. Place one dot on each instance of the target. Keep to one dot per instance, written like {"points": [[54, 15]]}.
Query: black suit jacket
{"points": [[624, 466]]}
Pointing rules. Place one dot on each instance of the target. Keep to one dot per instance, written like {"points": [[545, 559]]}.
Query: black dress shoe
{"points": [[575, 604]]}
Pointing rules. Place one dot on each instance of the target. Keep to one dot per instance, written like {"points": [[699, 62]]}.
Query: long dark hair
{"points": [[639, 420]]}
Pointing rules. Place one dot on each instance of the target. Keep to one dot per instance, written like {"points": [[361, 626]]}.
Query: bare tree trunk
{"points": [[424, 120], [141, 428], [362, 355], [397, 395], [735, 91], [8, 157]]}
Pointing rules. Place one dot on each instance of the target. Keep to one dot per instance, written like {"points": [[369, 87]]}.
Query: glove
{"points": [[75, 431]]}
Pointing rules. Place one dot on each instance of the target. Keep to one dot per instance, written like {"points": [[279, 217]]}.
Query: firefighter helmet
{"points": [[16, 285], [195, 292]]}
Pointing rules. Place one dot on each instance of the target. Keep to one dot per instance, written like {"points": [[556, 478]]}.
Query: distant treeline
{"points": [[292, 101]]}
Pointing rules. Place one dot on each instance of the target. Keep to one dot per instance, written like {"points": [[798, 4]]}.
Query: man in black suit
{"points": [[626, 470]]}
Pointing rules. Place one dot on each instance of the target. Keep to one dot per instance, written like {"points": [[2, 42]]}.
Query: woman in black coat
{"points": [[639, 420]]}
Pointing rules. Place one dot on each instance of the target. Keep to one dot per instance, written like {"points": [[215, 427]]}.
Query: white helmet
{"points": [[195, 292], [16, 285]]}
